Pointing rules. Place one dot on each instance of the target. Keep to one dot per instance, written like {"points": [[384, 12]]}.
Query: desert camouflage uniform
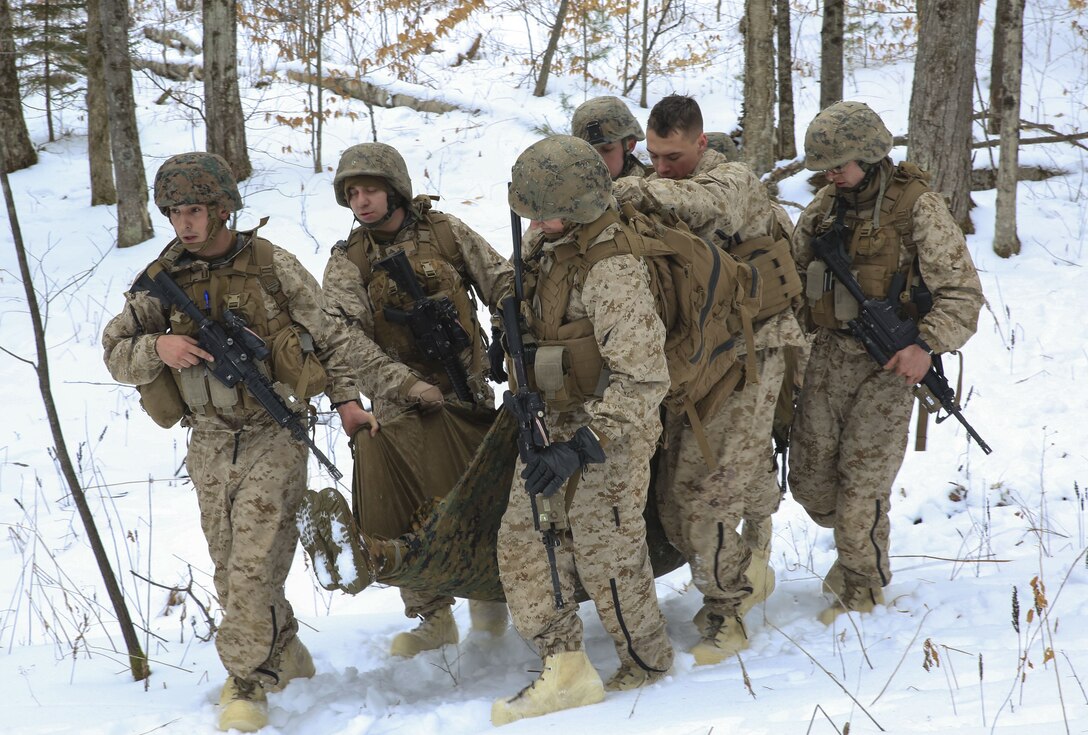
{"points": [[701, 509], [634, 167], [850, 430], [249, 473], [605, 547], [379, 374]]}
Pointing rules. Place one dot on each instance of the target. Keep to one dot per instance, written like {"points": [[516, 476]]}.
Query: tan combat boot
{"points": [[568, 680], [488, 617], [722, 638], [243, 706], [834, 583], [853, 599], [632, 676], [295, 663], [434, 631], [761, 576]]}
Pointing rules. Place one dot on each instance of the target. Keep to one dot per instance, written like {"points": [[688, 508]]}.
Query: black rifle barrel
{"points": [[527, 408]]}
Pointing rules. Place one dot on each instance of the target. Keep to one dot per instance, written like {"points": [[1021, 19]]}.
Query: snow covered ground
{"points": [[973, 536]]}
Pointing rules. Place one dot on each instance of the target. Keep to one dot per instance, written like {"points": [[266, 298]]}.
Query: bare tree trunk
{"points": [[644, 62], [549, 52], [1006, 240], [16, 140], [831, 33], [225, 133], [644, 57], [941, 99], [758, 120], [137, 661], [997, 66], [98, 116], [47, 85], [133, 220], [626, 42], [787, 143], [319, 121]]}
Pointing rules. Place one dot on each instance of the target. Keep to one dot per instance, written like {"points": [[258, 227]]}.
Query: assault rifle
{"points": [[236, 350], [433, 323], [527, 408], [880, 329]]}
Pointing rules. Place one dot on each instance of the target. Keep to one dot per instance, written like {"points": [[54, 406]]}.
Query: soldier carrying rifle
{"points": [[600, 367], [402, 287], [213, 302], [850, 430]]}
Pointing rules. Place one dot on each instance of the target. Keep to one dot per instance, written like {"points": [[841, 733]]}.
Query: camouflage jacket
{"points": [[632, 166], [615, 296], [718, 196], [943, 259], [379, 375], [129, 338]]}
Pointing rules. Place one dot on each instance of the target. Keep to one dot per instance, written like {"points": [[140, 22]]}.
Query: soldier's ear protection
{"points": [[596, 135]]}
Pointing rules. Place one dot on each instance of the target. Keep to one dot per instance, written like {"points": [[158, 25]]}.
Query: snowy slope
{"points": [[970, 531]]}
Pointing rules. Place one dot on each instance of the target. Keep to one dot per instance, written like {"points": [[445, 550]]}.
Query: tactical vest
{"points": [[438, 264], [705, 298], [876, 251], [239, 285]]}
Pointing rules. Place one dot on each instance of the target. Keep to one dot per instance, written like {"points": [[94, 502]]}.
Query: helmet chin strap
{"points": [[392, 203], [215, 224]]}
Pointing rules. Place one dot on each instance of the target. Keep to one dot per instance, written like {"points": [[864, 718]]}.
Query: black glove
{"points": [[496, 357], [553, 465]]}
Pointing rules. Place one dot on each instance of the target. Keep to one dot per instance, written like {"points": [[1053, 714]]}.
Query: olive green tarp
{"points": [[449, 539]]}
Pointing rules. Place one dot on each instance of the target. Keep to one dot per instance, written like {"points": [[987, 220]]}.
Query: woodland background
{"points": [[989, 552]]}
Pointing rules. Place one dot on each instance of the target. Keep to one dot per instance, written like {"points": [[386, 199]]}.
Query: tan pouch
{"points": [[846, 306], [161, 399], [295, 363], [550, 375], [815, 275]]}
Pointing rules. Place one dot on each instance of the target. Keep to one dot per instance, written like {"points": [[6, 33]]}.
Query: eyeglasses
{"points": [[836, 170]]}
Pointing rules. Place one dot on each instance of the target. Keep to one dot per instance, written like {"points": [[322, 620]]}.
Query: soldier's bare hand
{"points": [[179, 351], [354, 417], [911, 363]]}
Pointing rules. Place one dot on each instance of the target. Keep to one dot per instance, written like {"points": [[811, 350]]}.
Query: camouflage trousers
{"points": [[848, 440], [420, 604], [249, 486], [604, 548], [700, 508]]}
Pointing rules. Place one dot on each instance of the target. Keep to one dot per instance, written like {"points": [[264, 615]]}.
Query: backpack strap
{"points": [[439, 231], [354, 250], [898, 204], [261, 260]]}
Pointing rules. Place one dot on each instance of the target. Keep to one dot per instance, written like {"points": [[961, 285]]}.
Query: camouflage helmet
{"points": [[196, 178], [372, 159], [723, 144], [613, 121], [560, 177], [843, 132]]}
